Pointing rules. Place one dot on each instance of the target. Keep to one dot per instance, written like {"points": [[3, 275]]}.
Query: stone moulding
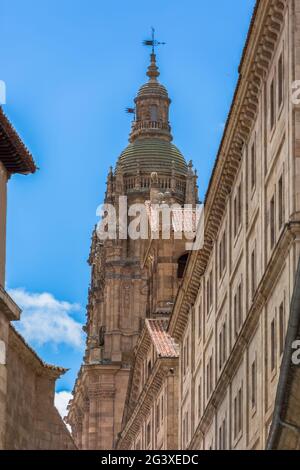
{"points": [[266, 28], [141, 411], [289, 236]]}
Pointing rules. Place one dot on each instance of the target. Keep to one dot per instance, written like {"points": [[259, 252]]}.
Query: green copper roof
{"points": [[152, 154]]}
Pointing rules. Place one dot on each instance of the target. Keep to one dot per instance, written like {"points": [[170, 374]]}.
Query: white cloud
{"points": [[45, 319], [61, 402]]}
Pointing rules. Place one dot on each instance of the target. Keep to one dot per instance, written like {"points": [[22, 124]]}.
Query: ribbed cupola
{"points": [[151, 148], [151, 152]]}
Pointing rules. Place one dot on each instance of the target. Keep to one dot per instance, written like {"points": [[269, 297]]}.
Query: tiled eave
{"points": [[153, 333], [13, 154]]}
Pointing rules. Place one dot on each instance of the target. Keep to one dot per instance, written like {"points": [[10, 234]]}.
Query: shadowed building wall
{"points": [[28, 417]]}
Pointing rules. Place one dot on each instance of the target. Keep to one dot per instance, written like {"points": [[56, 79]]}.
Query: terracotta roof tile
{"points": [[163, 342], [13, 153]]}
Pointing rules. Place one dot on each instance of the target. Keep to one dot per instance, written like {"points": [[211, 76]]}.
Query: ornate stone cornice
{"points": [[145, 402], [97, 391], [264, 34], [82, 389], [140, 352], [273, 270]]}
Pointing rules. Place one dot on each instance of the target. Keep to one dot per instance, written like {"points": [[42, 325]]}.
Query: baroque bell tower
{"points": [[131, 280]]}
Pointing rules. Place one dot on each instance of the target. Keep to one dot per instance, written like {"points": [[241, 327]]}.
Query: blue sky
{"points": [[71, 67]]}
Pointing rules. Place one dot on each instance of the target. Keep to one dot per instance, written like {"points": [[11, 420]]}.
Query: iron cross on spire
{"points": [[153, 42]]}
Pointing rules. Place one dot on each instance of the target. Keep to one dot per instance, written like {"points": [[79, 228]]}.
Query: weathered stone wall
{"points": [[32, 421], [3, 181], [157, 429], [235, 333], [3, 375]]}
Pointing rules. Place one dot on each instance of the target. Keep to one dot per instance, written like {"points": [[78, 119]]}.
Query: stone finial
{"points": [[153, 71]]}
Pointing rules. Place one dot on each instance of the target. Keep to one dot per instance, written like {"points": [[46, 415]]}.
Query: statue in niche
{"points": [[154, 177], [102, 336]]}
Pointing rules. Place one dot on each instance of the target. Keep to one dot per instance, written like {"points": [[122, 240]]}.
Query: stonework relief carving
{"points": [[86, 404], [154, 177], [144, 287], [126, 304]]}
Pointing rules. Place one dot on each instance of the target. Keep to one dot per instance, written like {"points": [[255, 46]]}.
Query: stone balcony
{"points": [[140, 183], [150, 128]]}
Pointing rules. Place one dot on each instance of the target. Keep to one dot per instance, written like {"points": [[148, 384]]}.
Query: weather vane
{"points": [[153, 42]]}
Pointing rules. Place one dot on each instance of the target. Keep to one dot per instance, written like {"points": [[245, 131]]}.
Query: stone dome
{"points": [[152, 155], [152, 88]]}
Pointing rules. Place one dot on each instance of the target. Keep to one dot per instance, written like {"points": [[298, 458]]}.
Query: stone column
{"points": [[8, 311], [295, 21], [85, 423], [4, 326], [93, 420]]}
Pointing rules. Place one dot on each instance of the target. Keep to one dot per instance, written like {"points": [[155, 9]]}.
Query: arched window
{"points": [[181, 265], [153, 113]]}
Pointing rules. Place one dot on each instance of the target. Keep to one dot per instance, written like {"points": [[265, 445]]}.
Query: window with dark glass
{"points": [[272, 222], [272, 105], [281, 329], [253, 272], [280, 81], [222, 255], [238, 414], [182, 261], [253, 165], [237, 210], [280, 203], [254, 384], [273, 345], [148, 435]]}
